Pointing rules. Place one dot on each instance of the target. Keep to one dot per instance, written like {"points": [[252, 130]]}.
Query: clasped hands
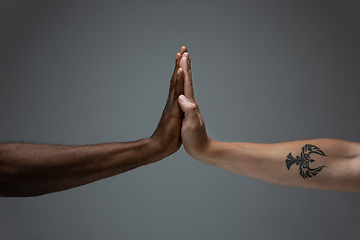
{"points": [[181, 122]]}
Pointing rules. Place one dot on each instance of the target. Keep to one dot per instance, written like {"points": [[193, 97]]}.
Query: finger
{"points": [[174, 76], [179, 84], [190, 74], [188, 84], [177, 63], [183, 49], [190, 109], [189, 62]]}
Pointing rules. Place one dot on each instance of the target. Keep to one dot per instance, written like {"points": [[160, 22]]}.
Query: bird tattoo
{"points": [[304, 160]]}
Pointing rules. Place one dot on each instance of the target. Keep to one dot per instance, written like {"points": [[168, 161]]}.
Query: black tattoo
{"points": [[304, 160]]}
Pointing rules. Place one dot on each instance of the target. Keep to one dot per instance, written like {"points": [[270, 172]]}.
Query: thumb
{"points": [[188, 107]]}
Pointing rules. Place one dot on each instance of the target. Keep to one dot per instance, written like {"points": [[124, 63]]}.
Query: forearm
{"points": [[267, 162], [36, 169], [321, 164]]}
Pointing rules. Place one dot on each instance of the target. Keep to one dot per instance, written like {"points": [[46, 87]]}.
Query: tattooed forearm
{"points": [[304, 160]]}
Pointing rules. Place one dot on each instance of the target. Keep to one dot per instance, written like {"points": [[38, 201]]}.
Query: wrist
{"points": [[160, 148], [206, 152]]}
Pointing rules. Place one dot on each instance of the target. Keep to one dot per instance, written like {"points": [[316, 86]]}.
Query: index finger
{"points": [[188, 83], [179, 84]]}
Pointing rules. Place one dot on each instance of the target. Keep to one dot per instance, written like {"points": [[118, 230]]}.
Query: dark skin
{"points": [[35, 169], [167, 133]]}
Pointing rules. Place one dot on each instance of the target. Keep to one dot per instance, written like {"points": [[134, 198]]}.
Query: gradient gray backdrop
{"points": [[86, 72]]}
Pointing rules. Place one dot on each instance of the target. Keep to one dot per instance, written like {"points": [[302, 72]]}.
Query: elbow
{"points": [[7, 184], [4, 192], [354, 173], [354, 186], [352, 189], [348, 174], [12, 184], [5, 177], [8, 172]]}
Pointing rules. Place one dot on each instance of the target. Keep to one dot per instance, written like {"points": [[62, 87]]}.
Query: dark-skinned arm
{"points": [[35, 169]]}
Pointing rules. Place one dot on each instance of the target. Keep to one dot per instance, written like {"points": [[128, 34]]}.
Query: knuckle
{"points": [[189, 128], [193, 126], [172, 84], [193, 107], [175, 95], [191, 82]]}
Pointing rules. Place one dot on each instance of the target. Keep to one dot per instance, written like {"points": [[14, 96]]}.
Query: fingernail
{"points": [[183, 98], [178, 71]]}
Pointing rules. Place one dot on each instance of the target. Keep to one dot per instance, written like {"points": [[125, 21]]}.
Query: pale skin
{"points": [[36, 169], [268, 161]]}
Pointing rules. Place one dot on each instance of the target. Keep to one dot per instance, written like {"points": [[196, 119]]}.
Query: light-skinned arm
{"points": [[327, 164], [34, 169]]}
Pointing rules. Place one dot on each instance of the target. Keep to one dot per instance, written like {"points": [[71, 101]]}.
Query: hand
{"points": [[193, 132], [166, 136]]}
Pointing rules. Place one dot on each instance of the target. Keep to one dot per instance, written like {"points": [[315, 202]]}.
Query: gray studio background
{"points": [[86, 72]]}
